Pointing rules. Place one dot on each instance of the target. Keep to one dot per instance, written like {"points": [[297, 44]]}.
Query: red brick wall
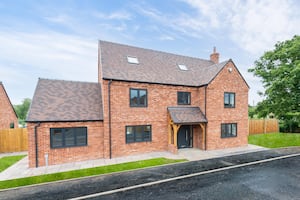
{"points": [[198, 137], [94, 149], [162, 96], [7, 114], [216, 113], [159, 98]]}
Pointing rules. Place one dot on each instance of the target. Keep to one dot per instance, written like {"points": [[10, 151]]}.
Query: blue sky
{"points": [[58, 39]]}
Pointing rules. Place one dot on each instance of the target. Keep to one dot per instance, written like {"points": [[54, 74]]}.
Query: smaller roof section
{"points": [[59, 101], [186, 115]]}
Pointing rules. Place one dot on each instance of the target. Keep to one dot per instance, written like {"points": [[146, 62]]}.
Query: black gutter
{"points": [[146, 82], [205, 136], [205, 100], [36, 145], [49, 121], [109, 117]]}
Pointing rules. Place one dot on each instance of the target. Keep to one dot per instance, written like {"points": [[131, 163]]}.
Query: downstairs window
{"points": [[228, 130], [68, 137], [138, 133]]}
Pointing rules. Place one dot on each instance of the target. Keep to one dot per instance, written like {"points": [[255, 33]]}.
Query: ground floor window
{"points": [[228, 130], [141, 133], [68, 137]]}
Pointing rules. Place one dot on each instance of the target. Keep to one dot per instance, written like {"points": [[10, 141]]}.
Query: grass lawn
{"points": [[87, 172], [6, 162], [275, 140]]}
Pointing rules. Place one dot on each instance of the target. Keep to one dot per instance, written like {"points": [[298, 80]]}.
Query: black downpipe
{"points": [[205, 101], [36, 145], [109, 118]]}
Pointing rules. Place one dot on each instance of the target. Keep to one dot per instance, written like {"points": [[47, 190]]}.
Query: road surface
{"points": [[271, 174]]}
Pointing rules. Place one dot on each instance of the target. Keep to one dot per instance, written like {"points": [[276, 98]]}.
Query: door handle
{"points": [[186, 135]]}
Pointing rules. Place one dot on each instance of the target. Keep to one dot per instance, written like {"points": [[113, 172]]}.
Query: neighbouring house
{"points": [[144, 101], [8, 116]]}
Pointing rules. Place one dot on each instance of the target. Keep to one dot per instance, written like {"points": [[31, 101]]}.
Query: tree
{"points": [[251, 111], [23, 108], [279, 70]]}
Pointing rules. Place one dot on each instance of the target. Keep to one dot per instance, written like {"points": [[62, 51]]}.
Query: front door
{"points": [[184, 137]]}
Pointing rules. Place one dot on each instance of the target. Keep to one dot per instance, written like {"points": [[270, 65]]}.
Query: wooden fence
{"points": [[257, 126], [13, 140]]}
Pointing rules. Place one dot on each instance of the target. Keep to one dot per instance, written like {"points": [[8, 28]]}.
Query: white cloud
{"points": [[60, 19], [27, 56], [253, 25], [181, 22], [166, 37], [118, 15], [260, 24], [207, 12]]}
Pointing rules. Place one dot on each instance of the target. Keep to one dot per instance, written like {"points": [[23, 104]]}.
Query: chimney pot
{"points": [[214, 57]]}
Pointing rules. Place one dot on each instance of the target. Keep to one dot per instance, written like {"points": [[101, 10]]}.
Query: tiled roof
{"points": [[186, 115], [154, 66], [58, 100]]}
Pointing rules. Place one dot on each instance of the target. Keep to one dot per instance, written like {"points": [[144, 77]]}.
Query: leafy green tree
{"points": [[251, 111], [279, 70], [23, 108]]}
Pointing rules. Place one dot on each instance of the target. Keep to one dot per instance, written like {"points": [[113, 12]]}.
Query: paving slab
{"points": [[21, 169]]}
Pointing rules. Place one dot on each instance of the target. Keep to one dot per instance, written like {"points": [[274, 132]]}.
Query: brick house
{"points": [[144, 101], [8, 116]]}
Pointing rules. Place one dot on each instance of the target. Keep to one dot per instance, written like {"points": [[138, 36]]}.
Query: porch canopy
{"points": [[179, 116]]}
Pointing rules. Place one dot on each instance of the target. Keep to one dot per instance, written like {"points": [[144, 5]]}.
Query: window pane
{"points": [[232, 100], [129, 134], [184, 98], [69, 137], [147, 133], [226, 99], [233, 130], [81, 136], [56, 138], [143, 97], [133, 97], [139, 130]]}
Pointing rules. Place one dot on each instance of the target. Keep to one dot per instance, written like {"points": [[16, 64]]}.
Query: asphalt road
{"points": [[232, 178], [278, 179]]}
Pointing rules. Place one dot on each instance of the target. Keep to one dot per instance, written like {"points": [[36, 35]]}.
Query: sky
{"points": [[58, 39]]}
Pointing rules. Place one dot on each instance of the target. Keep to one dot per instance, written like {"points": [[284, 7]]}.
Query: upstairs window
{"points": [[228, 130], [229, 100], [138, 98], [183, 98]]}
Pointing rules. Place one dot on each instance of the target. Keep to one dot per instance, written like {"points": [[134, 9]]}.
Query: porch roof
{"points": [[186, 115]]}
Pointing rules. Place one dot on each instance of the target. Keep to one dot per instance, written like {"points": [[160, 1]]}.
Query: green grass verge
{"points": [[7, 161], [87, 172], [275, 140]]}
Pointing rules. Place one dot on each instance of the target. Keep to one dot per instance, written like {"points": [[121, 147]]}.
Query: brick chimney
{"points": [[214, 57]]}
